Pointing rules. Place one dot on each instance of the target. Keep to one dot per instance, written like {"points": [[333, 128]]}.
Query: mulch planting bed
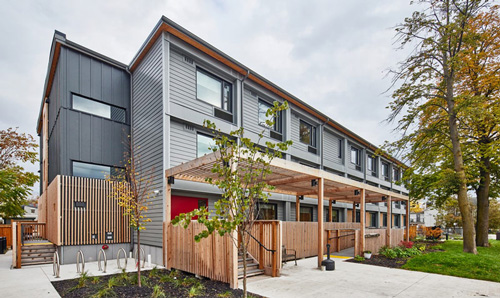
{"points": [[155, 283]]}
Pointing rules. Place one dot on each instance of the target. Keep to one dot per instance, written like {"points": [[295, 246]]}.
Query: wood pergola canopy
{"points": [[291, 178]]}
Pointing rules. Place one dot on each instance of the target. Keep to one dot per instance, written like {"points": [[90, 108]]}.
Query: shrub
{"points": [[359, 258], [433, 233], [407, 244], [104, 292], [399, 252], [158, 292]]}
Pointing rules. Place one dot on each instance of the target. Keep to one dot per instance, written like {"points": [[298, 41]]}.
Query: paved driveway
{"points": [[358, 280]]}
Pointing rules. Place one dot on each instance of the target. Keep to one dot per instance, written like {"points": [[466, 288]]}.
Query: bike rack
{"points": [[102, 253], [143, 257], [118, 258], [56, 266], [80, 258]]}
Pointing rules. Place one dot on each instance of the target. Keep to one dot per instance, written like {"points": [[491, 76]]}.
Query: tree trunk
{"points": [[483, 202], [469, 244], [244, 251], [139, 257]]}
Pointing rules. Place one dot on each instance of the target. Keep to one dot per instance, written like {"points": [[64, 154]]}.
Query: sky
{"points": [[334, 55]]}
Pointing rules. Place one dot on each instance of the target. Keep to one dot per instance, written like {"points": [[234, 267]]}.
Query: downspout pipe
{"points": [[241, 96], [322, 140]]}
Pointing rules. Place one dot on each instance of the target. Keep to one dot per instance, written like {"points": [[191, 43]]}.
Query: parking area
{"points": [[358, 280]]}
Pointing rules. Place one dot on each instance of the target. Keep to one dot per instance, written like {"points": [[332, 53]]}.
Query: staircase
{"points": [[37, 253], [252, 266]]}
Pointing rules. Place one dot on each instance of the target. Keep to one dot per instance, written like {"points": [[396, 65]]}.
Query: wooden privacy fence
{"points": [[212, 257], [376, 238], [81, 211], [267, 235], [6, 231], [33, 232], [303, 236]]}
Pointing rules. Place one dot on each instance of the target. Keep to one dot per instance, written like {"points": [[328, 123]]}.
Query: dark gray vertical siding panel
{"points": [[95, 79], [116, 86], [106, 84], [96, 140], [183, 84], [73, 134], [183, 144], [331, 147], [84, 137], [85, 75], [73, 72], [147, 86]]}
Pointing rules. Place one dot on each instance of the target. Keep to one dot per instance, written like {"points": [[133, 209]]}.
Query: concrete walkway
{"points": [[35, 281], [358, 280]]}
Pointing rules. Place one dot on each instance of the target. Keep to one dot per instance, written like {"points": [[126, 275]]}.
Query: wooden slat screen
{"points": [[397, 235], [303, 236], [268, 232], [211, 257], [52, 207]]}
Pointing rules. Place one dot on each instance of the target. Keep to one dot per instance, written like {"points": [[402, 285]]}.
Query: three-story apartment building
{"points": [[176, 81]]}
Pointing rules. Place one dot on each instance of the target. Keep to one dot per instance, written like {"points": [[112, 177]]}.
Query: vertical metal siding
{"points": [[147, 88]]}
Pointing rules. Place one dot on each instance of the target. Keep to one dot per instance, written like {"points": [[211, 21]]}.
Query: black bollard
{"points": [[328, 263]]}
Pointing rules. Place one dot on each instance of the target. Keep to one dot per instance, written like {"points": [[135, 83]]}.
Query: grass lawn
{"points": [[452, 261]]}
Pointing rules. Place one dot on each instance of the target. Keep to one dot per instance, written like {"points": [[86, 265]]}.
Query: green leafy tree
{"points": [[241, 168], [132, 188], [494, 216], [15, 183], [427, 105]]}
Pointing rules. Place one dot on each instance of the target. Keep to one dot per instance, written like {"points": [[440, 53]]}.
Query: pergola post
{"points": [[407, 220], [362, 220], [168, 219], [297, 208], [330, 209], [321, 233], [353, 212], [389, 221]]}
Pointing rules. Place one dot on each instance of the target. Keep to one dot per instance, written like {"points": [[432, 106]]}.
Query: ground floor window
{"points": [[358, 216], [306, 213], [384, 220], [404, 220], [267, 211], [335, 215], [373, 219], [397, 220]]}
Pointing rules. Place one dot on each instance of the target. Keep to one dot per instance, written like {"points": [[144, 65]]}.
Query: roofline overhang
{"points": [[169, 26], [59, 40]]}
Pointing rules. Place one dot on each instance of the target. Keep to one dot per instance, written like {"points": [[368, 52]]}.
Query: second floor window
{"points": [[385, 171], [395, 174], [371, 165], [214, 91], [100, 109], [203, 143], [89, 170], [307, 134], [356, 157], [263, 107]]}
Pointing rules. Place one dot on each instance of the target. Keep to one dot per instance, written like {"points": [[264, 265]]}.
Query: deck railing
{"points": [[266, 245], [33, 232]]}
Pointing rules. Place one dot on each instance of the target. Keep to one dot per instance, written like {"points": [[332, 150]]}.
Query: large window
{"points": [[267, 211], [88, 170], [371, 165], [97, 108], [356, 157], [335, 215], [385, 171], [384, 220], [395, 174], [373, 219], [306, 213], [307, 134], [213, 90], [263, 108], [341, 148], [203, 143], [397, 220]]}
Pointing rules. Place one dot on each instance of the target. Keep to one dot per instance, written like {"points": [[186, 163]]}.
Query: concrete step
{"points": [[249, 266], [251, 273]]}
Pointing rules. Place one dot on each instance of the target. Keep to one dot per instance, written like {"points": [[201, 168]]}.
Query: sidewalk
{"points": [[358, 280], [35, 281]]}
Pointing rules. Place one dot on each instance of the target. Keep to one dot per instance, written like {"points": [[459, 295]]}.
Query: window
{"points": [[371, 165], [307, 134], [395, 174], [306, 213], [373, 219], [341, 147], [335, 215], [358, 216], [267, 211], [397, 219], [384, 220], [88, 170], [263, 107], [404, 220], [355, 157], [385, 171], [97, 108], [214, 91], [203, 143]]}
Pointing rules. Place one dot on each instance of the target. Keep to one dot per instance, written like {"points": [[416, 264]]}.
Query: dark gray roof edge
{"points": [[178, 27]]}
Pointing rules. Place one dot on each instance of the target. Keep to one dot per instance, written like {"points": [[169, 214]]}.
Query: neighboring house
{"points": [[423, 215], [30, 214], [176, 81]]}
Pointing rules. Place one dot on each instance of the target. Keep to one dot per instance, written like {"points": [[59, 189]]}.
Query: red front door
{"points": [[181, 204]]}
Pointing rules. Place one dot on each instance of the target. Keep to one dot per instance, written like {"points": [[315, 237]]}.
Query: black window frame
{"points": [[309, 208], [372, 160], [341, 148], [223, 83], [259, 214], [373, 219], [384, 220], [386, 165], [111, 169], [278, 120], [73, 94], [396, 174], [357, 163], [202, 134], [312, 131]]}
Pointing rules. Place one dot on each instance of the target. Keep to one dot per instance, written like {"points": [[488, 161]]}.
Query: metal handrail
{"points": [[102, 253], [143, 257], [56, 266], [118, 259], [338, 237], [80, 258], [262, 245]]}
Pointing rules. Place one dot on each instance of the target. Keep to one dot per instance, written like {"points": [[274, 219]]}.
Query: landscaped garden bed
{"points": [[155, 283]]}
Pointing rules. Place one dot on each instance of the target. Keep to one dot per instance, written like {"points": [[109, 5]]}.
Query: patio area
{"points": [[358, 280]]}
